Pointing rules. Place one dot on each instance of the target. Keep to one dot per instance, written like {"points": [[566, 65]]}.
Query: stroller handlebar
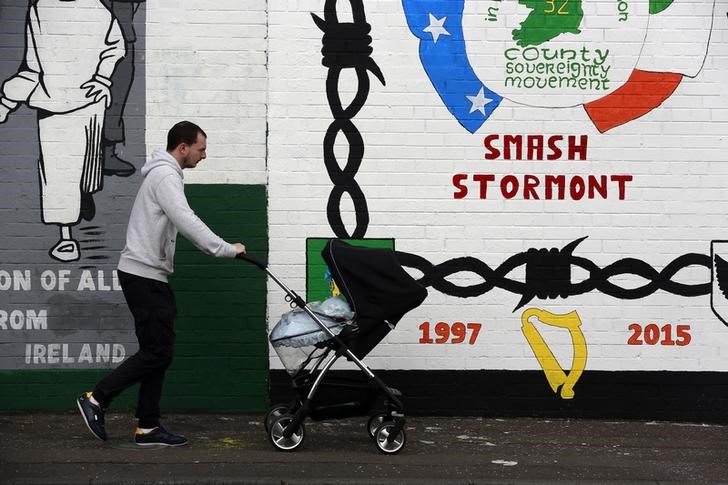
{"points": [[251, 259], [291, 296]]}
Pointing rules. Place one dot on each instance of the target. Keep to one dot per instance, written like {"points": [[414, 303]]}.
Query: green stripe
{"points": [[657, 6]]}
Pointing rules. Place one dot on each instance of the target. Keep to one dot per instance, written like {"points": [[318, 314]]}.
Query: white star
{"points": [[479, 101], [436, 27]]}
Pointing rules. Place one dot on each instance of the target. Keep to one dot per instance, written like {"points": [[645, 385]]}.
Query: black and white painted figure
{"points": [[66, 77], [122, 80]]}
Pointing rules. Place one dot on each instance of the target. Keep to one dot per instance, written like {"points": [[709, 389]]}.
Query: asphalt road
{"points": [[234, 449]]}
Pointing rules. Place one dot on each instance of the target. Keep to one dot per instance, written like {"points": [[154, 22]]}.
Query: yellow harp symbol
{"points": [[554, 373]]}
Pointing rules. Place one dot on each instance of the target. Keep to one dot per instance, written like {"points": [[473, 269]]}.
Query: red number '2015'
{"points": [[651, 334]]}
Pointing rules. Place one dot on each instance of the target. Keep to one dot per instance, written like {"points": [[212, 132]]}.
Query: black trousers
{"points": [[153, 306]]}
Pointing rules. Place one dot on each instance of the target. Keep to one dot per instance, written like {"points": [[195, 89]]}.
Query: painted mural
{"points": [[485, 61], [71, 126], [553, 171], [535, 61]]}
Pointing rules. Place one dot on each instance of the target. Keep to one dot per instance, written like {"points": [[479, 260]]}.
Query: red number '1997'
{"points": [[652, 335], [455, 333]]}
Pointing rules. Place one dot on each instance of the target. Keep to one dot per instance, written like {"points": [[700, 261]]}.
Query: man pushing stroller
{"points": [[159, 212]]}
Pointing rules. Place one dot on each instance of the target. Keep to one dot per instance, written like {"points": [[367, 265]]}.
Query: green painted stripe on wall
{"points": [[221, 350], [221, 360]]}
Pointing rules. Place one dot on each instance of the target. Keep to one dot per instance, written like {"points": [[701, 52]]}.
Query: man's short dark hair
{"points": [[183, 132]]}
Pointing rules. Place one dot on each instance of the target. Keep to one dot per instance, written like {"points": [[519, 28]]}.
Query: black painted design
{"points": [[548, 275], [721, 274], [346, 45]]}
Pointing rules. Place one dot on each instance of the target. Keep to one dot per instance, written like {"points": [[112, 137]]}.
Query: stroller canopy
{"points": [[373, 281]]}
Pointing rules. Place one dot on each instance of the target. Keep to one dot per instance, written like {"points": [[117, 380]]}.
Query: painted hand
{"points": [[98, 91]]}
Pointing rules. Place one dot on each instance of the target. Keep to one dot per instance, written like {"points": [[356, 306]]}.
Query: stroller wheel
{"points": [[381, 439], [277, 437], [374, 423], [274, 413]]}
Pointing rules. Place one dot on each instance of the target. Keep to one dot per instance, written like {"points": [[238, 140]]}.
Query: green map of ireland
{"points": [[548, 19]]}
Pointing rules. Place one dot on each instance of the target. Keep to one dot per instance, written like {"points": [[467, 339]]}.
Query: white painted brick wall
{"points": [[206, 62], [676, 204]]}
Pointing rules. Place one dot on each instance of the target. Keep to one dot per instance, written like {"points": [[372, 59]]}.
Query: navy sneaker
{"points": [[159, 437], [93, 415]]}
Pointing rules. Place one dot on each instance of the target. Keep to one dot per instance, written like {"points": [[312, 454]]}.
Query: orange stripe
{"points": [[643, 92]]}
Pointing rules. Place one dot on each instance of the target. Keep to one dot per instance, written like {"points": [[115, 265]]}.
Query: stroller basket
{"points": [[309, 337], [297, 338]]}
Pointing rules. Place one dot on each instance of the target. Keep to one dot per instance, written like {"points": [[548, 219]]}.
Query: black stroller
{"points": [[379, 293]]}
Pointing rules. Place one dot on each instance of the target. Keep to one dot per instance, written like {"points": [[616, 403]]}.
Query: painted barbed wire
{"points": [[346, 45], [548, 275]]}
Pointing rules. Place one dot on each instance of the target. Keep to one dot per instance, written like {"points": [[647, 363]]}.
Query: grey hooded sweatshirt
{"points": [[159, 211]]}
